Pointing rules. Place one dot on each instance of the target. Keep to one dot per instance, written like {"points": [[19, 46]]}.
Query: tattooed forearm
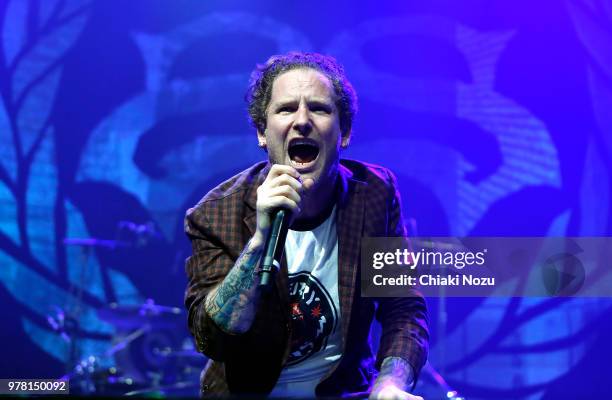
{"points": [[396, 371], [232, 304]]}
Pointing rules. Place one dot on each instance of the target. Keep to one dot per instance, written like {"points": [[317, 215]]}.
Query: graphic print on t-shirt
{"points": [[313, 316]]}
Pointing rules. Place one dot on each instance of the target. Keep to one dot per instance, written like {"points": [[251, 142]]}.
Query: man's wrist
{"points": [[395, 371], [257, 241]]}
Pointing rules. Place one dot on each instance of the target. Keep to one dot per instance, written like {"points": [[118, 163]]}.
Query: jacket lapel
{"points": [[350, 230]]}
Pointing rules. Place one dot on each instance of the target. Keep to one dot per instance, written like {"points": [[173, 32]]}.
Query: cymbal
{"points": [[137, 315], [179, 353]]}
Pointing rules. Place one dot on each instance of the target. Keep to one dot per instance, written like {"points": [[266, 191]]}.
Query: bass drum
{"points": [[146, 359]]}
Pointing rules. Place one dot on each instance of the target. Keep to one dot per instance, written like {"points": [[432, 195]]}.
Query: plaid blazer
{"points": [[219, 227]]}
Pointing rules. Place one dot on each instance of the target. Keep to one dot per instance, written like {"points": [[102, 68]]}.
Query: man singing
{"points": [[308, 335]]}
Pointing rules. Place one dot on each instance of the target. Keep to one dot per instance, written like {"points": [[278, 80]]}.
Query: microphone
{"points": [[275, 243]]}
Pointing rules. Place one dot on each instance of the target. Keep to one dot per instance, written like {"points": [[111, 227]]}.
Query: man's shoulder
{"points": [[374, 176], [238, 186]]}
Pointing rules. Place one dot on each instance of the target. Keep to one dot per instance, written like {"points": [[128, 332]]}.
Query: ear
{"points": [[346, 140], [261, 138]]}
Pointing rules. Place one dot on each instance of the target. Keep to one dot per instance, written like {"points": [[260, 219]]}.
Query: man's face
{"points": [[303, 128]]}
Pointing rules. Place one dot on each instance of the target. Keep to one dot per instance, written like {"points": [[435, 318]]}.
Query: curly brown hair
{"points": [[260, 85]]}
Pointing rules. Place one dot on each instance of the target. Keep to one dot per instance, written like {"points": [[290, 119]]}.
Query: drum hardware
{"points": [[148, 352], [142, 352], [451, 394], [125, 317]]}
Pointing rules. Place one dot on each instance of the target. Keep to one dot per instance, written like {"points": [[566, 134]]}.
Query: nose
{"points": [[302, 122]]}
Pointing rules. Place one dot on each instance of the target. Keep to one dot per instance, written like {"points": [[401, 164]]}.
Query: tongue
{"points": [[304, 154]]}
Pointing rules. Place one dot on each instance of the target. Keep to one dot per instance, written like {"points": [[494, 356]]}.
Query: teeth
{"points": [[303, 142]]}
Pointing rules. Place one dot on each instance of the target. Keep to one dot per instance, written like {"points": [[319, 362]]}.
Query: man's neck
{"points": [[318, 203]]}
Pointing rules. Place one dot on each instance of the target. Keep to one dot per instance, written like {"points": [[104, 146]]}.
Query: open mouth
{"points": [[303, 151]]}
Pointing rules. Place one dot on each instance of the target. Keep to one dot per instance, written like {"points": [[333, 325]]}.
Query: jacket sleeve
{"points": [[208, 265], [404, 320]]}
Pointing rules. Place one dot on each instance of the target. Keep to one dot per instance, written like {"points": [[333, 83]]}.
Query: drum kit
{"points": [[151, 352]]}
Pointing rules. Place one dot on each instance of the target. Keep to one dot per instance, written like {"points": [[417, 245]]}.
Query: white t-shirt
{"points": [[316, 341]]}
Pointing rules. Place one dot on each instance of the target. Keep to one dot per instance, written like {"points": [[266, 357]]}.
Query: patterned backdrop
{"points": [[116, 116]]}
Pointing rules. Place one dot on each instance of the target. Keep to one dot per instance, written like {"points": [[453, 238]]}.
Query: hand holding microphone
{"points": [[278, 203]]}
